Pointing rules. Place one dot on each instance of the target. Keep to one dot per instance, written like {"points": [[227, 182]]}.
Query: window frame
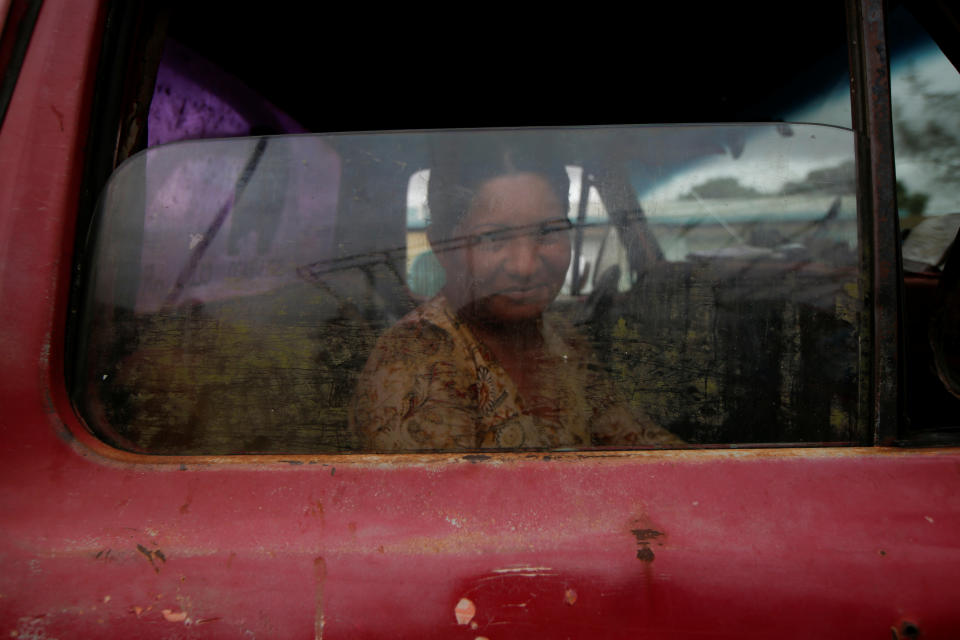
{"points": [[881, 266]]}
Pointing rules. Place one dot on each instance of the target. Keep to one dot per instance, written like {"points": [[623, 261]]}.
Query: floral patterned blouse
{"points": [[430, 384]]}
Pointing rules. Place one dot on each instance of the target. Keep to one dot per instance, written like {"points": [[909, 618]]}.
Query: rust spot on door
{"points": [[644, 537], [152, 556]]}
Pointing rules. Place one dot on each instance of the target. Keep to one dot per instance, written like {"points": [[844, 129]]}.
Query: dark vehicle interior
{"points": [[723, 353]]}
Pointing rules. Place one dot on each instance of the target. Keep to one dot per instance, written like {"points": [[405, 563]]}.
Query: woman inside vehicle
{"points": [[483, 364]]}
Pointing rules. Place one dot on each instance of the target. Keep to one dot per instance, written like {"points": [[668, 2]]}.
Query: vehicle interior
{"points": [[238, 332]]}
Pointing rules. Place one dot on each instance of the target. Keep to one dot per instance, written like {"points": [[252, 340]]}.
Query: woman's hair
{"points": [[463, 163]]}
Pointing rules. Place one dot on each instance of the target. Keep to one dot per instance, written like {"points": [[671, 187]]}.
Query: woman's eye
{"points": [[491, 239]]}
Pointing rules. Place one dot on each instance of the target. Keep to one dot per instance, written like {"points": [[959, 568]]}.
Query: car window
{"points": [[235, 291], [264, 294]]}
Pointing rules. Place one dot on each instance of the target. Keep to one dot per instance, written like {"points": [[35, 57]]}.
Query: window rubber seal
{"points": [[17, 33]]}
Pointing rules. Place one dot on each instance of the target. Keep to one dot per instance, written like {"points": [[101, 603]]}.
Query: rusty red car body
{"points": [[96, 542]]}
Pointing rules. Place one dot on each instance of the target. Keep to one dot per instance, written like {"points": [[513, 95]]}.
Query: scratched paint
{"points": [[174, 616], [464, 611]]}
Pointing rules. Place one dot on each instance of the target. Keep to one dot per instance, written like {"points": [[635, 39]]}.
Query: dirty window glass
{"points": [[620, 287]]}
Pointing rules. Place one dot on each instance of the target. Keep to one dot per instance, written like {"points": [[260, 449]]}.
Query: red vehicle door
{"points": [[151, 490]]}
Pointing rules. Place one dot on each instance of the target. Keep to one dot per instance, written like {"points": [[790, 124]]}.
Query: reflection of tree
{"points": [[837, 180], [913, 203], [722, 188]]}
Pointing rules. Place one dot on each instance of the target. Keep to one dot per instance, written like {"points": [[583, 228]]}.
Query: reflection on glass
{"points": [[782, 192], [925, 93], [480, 365], [553, 288]]}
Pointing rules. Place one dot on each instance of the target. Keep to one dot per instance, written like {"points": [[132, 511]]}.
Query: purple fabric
{"points": [[193, 98], [283, 219]]}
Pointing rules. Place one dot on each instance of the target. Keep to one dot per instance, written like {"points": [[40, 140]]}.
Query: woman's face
{"points": [[517, 249]]}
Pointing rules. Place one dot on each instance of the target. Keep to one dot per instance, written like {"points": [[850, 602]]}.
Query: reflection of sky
{"points": [[925, 67], [772, 156], [923, 61], [830, 108], [768, 161], [918, 63], [911, 52], [668, 161]]}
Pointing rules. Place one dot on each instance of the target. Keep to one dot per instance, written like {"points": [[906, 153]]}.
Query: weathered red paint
{"points": [[720, 543]]}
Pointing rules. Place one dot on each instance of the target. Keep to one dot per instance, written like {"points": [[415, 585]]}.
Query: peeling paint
{"points": [[526, 570], [174, 616], [464, 611], [320, 575]]}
